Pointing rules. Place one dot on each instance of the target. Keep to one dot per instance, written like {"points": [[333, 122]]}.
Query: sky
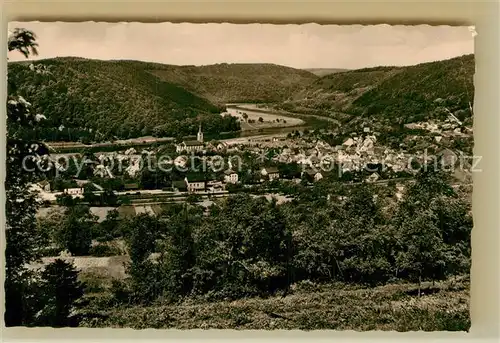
{"points": [[298, 46]]}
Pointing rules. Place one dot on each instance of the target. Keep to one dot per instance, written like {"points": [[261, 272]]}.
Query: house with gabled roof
{"points": [[230, 176], [447, 158], [74, 191], [195, 182], [272, 173], [312, 175]]}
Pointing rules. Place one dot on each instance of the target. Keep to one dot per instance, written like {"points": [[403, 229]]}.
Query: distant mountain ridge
{"points": [[325, 71]]}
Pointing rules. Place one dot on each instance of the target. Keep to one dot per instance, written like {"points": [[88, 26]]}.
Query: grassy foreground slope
{"points": [[392, 94], [444, 306]]}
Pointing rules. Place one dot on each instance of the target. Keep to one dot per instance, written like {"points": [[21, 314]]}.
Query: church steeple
{"points": [[200, 135]]}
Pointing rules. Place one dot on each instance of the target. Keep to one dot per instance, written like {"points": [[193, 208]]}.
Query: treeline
{"points": [[249, 246]]}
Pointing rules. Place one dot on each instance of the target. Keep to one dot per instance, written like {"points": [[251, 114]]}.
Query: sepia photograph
{"points": [[239, 176]]}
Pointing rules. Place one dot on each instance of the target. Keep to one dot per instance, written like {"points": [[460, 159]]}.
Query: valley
{"points": [[241, 195]]}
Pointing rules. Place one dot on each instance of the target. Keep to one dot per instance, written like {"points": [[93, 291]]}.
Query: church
{"points": [[192, 146]]}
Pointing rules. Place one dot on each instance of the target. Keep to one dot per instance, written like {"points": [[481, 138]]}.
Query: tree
{"points": [[108, 197], [89, 197], [245, 116], [421, 248], [21, 203], [261, 120], [109, 228], [61, 290], [143, 231], [66, 200], [75, 234], [178, 255], [243, 249], [431, 226]]}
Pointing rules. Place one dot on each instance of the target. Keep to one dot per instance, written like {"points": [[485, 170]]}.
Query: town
{"points": [[260, 164]]}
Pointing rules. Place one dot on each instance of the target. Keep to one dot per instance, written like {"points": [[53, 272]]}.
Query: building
{"points": [[199, 136], [312, 175], [180, 161], [44, 185], [373, 177], [318, 176], [192, 146], [74, 191], [314, 161], [189, 146], [230, 176], [272, 173], [348, 143], [195, 183], [215, 186]]}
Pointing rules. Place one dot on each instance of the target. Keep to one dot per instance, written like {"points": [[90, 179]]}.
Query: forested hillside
{"points": [[392, 94], [94, 100], [239, 82], [99, 100]]}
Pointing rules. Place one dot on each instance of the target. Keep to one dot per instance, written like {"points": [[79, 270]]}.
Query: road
{"points": [[75, 146]]}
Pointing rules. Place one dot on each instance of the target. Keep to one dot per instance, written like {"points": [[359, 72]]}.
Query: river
{"points": [[261, 109], [294, 121]]}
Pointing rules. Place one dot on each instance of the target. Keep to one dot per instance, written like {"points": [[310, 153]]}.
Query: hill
{"points": [[100, 100], [391, 94], [239, 82], [325, 71], [93, 100]]}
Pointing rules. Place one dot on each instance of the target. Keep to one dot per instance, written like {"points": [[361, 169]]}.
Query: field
{"points": [[90, 267], [100, 212], [444, 306], [268, 120]]}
